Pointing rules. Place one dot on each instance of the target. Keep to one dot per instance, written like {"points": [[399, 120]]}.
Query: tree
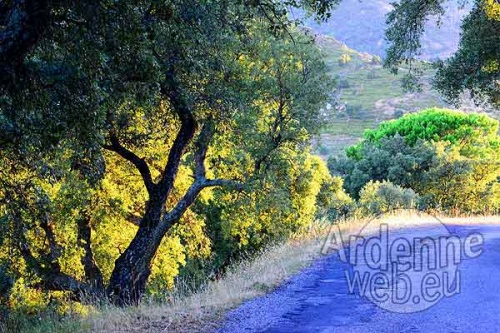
{"points": [[449, 158], [473, 67], [169, 87], [377, 198]]}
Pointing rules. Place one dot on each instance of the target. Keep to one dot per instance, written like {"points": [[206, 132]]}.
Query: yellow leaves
{"points": [[282, 204], [492, 9], [23, 298], [492, 66], [110, 238], [170, 257]]}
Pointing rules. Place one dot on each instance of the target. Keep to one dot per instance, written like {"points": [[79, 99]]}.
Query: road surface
{"points": [[318, 300]]}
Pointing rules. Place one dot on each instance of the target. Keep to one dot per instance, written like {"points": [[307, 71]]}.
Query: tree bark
{"points": [[93, 275], [133, 268]]}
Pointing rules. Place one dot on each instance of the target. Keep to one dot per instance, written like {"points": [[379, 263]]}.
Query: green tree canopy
{"points": [[474, 67], [455, 127], [115, 117], [448, 157]]}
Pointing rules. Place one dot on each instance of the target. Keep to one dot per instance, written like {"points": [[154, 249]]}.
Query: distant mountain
{"points": [[360, 24]]}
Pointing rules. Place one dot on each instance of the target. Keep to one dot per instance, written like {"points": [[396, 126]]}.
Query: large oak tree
{"points": [[191, 77]]}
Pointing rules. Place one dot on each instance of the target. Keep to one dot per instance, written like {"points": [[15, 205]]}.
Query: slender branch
{"points": [[204, 138], [54, 247], [51, 277], [170, 218], [130, 156]]}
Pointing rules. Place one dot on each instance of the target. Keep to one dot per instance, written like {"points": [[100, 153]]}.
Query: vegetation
{"points": [[377, 198], [449, 158], [143, 144], [118, 115], [474, 67], [366, 94]]}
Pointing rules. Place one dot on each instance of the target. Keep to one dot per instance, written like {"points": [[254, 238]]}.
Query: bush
{"points": [[344, 59], [379, 197], [393, 160], [333, 203], [296, 193]]}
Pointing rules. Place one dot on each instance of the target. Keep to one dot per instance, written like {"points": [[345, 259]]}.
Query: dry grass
{"points": [[203, 311]]}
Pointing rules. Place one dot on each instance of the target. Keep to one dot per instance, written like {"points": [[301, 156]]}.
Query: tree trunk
{"points": [[133, 268]]}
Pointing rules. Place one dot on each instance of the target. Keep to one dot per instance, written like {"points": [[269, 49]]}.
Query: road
{"points": [[318, 300]]}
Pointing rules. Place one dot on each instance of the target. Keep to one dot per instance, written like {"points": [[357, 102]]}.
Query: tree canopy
{"points": [[474, 67], [448, 157], [115, 117]]}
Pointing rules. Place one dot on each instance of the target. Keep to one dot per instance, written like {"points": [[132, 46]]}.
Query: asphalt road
{"points": [[318, 300]]}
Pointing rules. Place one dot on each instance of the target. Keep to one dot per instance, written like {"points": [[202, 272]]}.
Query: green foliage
{"points": [[380, 197], [449, 158], [126, 118], [460, 129], [458, 184], [333, 202], [392, 159], [474, 67], [297, 190]]}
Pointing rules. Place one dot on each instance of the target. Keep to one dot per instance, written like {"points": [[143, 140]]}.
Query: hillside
{"points": [[361, 25], [367, 94]]}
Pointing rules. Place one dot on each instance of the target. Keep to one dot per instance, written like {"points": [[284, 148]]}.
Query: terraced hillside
{"points": [[367, 94]]}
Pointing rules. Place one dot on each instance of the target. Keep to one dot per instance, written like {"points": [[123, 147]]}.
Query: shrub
{"points": [[332, 201], [379, 197], [295, 194]]}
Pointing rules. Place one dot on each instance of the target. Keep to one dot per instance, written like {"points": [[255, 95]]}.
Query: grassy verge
{"points": [[201, 311]]}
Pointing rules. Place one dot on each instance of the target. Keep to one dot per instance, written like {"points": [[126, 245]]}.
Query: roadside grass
{"points": [[204, 309], [185, 310]]}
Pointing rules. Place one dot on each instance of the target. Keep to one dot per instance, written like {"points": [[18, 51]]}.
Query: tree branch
{"points": [[170, 88], [130, 156], [93, 274], [202, 143], [51, 277], [170, 218]]}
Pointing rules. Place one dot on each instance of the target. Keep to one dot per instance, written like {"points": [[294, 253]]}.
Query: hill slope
{"points": [[366, 95]]}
